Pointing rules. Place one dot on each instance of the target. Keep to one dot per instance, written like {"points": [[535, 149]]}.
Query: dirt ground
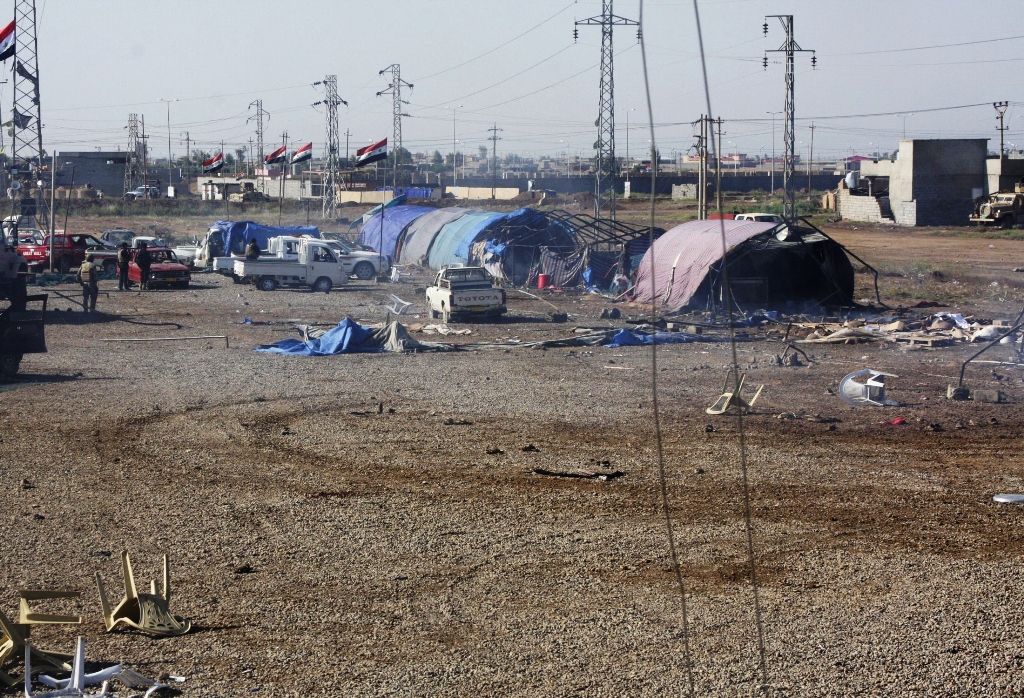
{"points": [[373, 525]]}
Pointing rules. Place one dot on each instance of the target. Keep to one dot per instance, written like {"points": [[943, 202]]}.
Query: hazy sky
{"points": [[514, 63]]}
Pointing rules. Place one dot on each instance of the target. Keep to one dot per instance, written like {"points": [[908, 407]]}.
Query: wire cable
{"points": [[736, 385], [662, 479]]}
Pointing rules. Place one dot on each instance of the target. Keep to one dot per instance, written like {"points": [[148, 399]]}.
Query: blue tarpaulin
{"points": [[396, 220], [625, 338], [237, 234], [347, 338]]}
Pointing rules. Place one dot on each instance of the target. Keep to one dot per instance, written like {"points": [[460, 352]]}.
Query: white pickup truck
{"points": [[465, 291], [317, 266], [360, 263]]}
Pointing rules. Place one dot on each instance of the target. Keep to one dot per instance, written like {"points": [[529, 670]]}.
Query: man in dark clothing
{"points": [[145, 261], [124, 256], [253, 250], [88, 276]]}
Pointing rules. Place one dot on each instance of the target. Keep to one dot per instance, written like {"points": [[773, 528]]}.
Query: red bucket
{"points": [[543, 280]]}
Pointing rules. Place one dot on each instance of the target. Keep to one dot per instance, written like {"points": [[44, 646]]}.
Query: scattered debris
{"points": [[935, 426], [559, 317], [582, 474], [899, 421], [495, 451], [733, 399], [14, 636], [530, 448], [244, 569], [73, 686], [610, 313], [146, 612]]}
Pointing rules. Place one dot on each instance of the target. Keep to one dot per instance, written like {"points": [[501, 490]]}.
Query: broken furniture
{"points": [[146, 612], [1009, 498], [733, 399], [74, 686], [870, 392], [15, 636], [398, 306]]}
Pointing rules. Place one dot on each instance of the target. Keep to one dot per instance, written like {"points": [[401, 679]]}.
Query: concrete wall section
{"points": [[868, 209], [945, 175]]}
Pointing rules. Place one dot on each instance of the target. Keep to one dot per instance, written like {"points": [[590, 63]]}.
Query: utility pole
{"points": [[702, 173], [810, 163], [169, 175], [606, 170], [259, 117], [494, 160], [145, 155], [332, 167], [133, 155], [1000, 108], [718, 168], [394, 89], [248, 164], [27, 128], [790, 48], [188, 158], [347, 134], [280, 186]]}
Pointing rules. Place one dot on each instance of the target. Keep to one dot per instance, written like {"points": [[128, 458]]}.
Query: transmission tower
{"points": [[606, 172], [259, 117], [790, 48], [395, 90], [27, 139], [132, 171], [494, 159], [332, 167]]}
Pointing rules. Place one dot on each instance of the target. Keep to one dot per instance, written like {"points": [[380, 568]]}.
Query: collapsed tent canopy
{"points": [[764, 271], [382, 231], [236, 234]]}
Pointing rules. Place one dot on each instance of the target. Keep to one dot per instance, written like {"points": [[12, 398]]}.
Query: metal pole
{"points": [[718, 168], [169, 175], [810, 163], [53, 181], [455, 171]]}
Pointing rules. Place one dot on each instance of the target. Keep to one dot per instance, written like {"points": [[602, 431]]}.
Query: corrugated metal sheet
{"points": [[421, 233], [683, 255], [384, 238], [444, 249]]}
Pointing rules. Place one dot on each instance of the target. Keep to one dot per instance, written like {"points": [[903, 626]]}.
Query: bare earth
{"points": [[390, 554]]}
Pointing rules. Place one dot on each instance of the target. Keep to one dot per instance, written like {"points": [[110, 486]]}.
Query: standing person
{"points": [[88, 276], [124, 256], [145, 261], [253, 250]]}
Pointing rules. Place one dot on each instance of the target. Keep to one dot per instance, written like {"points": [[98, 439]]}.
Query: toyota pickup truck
{"points": [[360, 263], [317, 267], [465, 291]]}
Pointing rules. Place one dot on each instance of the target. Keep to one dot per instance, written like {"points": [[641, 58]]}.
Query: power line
{"points": [[926, 48]]}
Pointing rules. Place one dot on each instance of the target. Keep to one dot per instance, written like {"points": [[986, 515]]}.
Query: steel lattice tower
{"points": [[259, 117], [332, 167], [606, 170], [27, 141], [132, 173], [395, 90], [789, 47]]}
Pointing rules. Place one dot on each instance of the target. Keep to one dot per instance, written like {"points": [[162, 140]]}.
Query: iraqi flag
{"points": [[372, 153], [279, 155], [7, 42], [302, 154], [214, 164]]}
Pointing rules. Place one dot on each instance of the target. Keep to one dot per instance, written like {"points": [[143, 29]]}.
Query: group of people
{"points": [[89, 273]]}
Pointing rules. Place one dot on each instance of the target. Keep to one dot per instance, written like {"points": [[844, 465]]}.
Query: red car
{"points": [[165, 270], [68, 251]]}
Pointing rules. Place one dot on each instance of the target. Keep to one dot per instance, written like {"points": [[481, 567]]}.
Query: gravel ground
{"points": [[322, 545]]}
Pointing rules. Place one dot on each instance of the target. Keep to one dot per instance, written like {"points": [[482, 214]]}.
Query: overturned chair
{"points": [[733, 399], [870, 392], [14, 637], [149, 613]]}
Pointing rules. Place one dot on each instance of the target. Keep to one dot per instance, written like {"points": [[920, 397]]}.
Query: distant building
{"points": [[103, 170], [930, 182]]}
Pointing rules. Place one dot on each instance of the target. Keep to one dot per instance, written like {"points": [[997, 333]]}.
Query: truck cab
{"points": [[316, 266]]}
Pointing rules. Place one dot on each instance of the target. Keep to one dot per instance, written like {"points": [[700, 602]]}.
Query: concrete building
{"points": [[930, 182], [103, 170]]}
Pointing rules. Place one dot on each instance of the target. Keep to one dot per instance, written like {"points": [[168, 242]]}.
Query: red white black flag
{"points": [[214, 164], [7, 42], [302, 154], [372, 153], [279, 155]]}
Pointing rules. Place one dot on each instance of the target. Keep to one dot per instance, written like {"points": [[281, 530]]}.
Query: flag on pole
{"points": [[7, 42], [279, 155], [302, 154], [214, 164], [372, 153]]}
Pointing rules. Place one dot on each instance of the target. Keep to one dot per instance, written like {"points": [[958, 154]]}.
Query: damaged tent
{"points": [[349, 337], [770, 266], [383, 237], [415, 244]]}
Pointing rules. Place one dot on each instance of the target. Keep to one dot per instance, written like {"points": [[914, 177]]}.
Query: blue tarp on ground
{"points": [[459, 234], [347, 338], [625, 338], [395, 221], [422, 231], [237, 234]]}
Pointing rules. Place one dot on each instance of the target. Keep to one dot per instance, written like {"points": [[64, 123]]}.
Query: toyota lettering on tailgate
{"points": [[476, 298]]}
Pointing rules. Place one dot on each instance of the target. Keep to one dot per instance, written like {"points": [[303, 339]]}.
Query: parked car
{"points": [[68, 251], [146, 192], [165, 269], [467, 291], [760, 217], [149, 240], [116, 236]]}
